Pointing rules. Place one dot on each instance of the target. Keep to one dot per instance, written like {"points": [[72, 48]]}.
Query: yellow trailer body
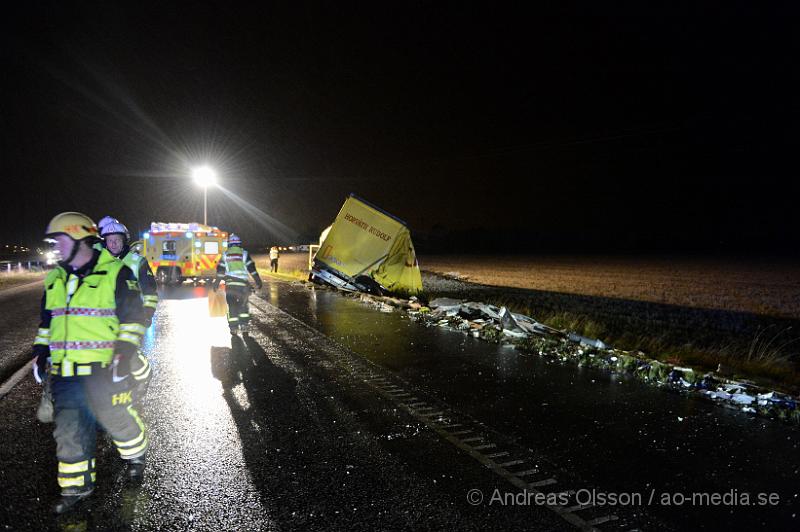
{"points": [[366, 245]]}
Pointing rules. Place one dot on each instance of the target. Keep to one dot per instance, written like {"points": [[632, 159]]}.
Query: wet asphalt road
{"points": [[20, 319], [289, 430], [270, 433], [597, 431]]}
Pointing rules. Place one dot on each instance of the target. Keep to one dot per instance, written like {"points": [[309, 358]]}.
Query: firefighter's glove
{"points": [[148, 316], [120, 368], [40, 365]]}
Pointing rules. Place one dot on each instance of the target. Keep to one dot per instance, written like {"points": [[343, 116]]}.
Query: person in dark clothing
{"points": [[234, 268]]}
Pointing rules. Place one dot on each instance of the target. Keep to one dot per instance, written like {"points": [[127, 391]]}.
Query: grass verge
{"points": [[294, 275]]}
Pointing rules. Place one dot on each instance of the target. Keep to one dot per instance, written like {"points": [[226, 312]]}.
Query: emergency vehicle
{"points": [[178, 252]]}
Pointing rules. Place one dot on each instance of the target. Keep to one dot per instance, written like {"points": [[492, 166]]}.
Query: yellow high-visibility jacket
{"points": [[90, 314]]}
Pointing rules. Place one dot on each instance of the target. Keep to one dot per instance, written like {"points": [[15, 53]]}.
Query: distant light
{"points": [[197, 244], [146, 235], [205, 176], [189, 234]]}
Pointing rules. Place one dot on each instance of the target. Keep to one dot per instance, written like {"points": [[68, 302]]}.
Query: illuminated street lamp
{"points": [[205, 176]]}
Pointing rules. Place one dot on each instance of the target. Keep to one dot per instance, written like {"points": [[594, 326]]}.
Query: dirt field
{"points": [[766, 288]]}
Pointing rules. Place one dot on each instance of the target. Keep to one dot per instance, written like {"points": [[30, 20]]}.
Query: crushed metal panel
{"points": [[366, 246]]}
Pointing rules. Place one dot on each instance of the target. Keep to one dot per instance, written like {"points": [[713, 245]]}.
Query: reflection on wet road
{"points": [[198, 456]]}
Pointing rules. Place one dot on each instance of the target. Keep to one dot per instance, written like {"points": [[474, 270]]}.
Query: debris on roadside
{"points": [[499, 325]]}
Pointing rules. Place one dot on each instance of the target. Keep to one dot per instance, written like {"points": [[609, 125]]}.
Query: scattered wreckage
{"points": [[370, 251], [499, 325]]}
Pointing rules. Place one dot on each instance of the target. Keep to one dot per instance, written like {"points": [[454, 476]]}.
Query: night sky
{"points": [[486, 127]]}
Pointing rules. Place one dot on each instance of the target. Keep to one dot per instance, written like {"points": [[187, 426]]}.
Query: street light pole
{"points": [[205, 177], [205, 205]]}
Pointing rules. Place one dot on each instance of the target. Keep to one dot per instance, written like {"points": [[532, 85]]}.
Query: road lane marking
{"points": [[579, 507], [601, 520], [540, 483], [497, 455], [15, 378]]}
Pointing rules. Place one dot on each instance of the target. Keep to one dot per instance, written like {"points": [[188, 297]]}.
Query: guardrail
{"points": [[11, 266]]}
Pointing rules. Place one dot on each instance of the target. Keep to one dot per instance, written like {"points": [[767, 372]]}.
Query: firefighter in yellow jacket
{"points": [[116, 239], [91, 325], [234, 267]]}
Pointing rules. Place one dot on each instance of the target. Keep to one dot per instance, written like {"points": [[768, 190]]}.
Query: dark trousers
{"points": [[273, 265], [81, 403], [238, 307]]}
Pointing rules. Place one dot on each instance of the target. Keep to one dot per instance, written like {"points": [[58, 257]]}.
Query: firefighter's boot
{"points": [[136, 468], [69, 500]]}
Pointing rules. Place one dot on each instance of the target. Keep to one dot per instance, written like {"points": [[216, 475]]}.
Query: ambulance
{"points": [[178, 252]]}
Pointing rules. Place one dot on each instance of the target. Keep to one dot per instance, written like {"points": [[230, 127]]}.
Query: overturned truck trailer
{"points": [[368, 250]]}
